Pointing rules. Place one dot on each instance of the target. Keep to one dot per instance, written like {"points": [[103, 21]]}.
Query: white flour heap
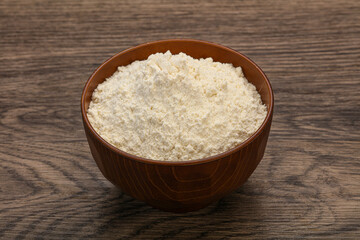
{"points": [[176, 108]]}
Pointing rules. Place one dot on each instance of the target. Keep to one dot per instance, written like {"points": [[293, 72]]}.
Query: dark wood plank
{"points": [[307, 185]]}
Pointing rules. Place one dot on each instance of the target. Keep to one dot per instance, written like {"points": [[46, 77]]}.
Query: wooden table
{"points": [[308, 183]]}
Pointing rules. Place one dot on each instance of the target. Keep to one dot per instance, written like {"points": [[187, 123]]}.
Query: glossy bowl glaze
{"points": [[179, 186]]}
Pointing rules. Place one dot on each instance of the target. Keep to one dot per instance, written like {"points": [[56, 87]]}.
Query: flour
{"points": [[176, 108]]}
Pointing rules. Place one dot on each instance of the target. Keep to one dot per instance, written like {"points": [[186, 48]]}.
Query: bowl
{"points": [[179, 186]]}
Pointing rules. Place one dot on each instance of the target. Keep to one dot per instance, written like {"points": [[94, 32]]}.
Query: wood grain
{"points": [[307, 185]]}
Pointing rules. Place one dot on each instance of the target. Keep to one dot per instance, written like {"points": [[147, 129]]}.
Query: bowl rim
{"points": [[186, 162]]}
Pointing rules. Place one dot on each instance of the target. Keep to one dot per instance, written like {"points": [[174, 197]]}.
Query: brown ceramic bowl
{"points": [[179, 186]]}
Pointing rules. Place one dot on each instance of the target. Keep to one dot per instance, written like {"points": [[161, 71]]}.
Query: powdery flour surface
{"points": [[176, 108]]}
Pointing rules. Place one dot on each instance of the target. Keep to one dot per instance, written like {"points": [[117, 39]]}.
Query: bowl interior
{"points": [[196, 49]]}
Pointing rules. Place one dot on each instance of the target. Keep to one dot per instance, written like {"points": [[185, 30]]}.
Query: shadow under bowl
{"points": [[179, 186]]}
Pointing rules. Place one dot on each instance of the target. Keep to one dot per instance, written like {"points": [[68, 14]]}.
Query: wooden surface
{"points": [[308, 183]]}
